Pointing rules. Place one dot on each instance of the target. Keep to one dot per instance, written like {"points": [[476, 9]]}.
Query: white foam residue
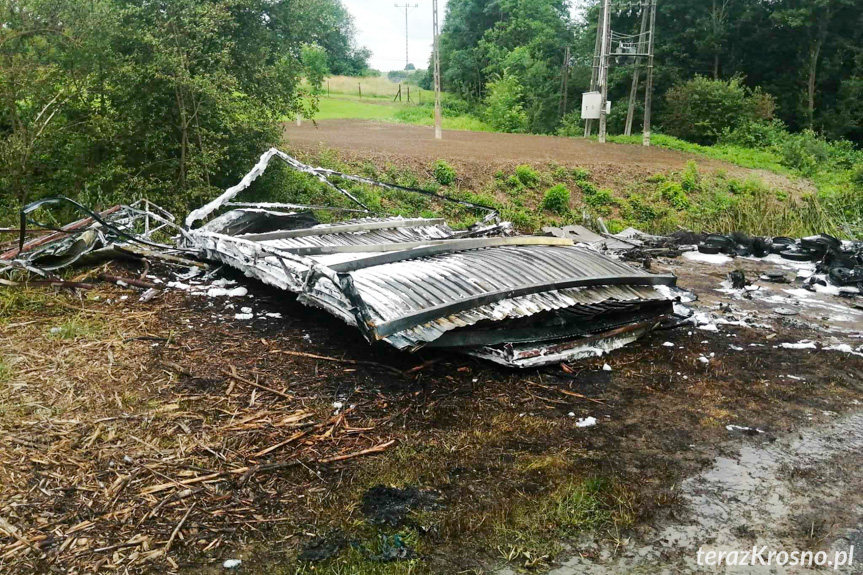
{"points": [[222, 292], [244, 315], [586, 422], [826, 289], [674, 293], [803, 344], [668, 344], [716, 259], [844, 348], [742, 428]]}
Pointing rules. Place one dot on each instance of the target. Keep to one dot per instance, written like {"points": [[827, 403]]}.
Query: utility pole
{"points": [[633, 91], [438, 120], [594, 74], [648, 95], [603, 71], [407, 8], [564, 78]]}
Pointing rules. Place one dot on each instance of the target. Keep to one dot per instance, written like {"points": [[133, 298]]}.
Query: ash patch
{"points": [[322, 548], [391, 506]]}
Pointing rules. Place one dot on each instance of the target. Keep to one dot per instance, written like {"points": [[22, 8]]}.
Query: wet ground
{"points": [[798, 492], [676, 435], [764, 489]]}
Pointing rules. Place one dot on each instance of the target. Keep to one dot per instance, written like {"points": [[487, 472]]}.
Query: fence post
{"points": [[360, 88]]}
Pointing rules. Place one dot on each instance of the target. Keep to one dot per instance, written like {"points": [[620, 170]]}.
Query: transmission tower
{"points": [[407, 8], [631, 49]]}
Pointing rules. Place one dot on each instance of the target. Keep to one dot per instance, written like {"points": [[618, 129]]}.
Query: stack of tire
{"points": [[841, 263]]}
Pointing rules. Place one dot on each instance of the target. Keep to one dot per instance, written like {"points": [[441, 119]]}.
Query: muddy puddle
{"points": [[798, 492]]}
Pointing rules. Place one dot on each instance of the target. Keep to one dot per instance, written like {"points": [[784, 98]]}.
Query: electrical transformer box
{"points": [[590, 103]]}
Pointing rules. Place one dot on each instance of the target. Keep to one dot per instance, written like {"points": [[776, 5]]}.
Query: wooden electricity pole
{"points": [[633, 91], [407, 8], [648, 95], [438, 119], [603, 71], [564, 78]]}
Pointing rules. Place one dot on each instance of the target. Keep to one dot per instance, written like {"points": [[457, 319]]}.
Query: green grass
{"points": [[342, 107], [20, 299], [5, 372], [75, 328], [744, 157]]}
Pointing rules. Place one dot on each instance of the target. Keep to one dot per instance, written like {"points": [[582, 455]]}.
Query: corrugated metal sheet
{"points": [[394, 290], [413, 302]]}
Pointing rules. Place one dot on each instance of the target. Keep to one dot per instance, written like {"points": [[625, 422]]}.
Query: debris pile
{"points": [[840, 263], [516, 300]]}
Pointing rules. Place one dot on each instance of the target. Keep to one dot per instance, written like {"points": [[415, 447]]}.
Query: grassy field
{"points": [[372, 86], [343, 107], [340, 107]]}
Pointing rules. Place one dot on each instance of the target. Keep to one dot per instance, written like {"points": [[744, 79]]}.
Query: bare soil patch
{"points": [[479, 154]]}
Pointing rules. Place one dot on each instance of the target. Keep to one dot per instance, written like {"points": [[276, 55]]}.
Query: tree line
{"points": [[107, 100], [806, 55]]}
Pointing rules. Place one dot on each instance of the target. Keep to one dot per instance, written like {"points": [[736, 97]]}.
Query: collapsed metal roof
{"points": [[413, 283]]}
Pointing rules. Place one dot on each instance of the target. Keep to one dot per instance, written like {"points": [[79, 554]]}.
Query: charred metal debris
{"points": [[411, 282]]}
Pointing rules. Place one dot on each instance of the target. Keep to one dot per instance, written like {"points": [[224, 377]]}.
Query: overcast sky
{"points": [[381, 28]]}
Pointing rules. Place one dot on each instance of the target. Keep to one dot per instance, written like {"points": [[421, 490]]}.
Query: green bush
{"points": [[443, 172], [636, 209], [857, 176], [674, 194], [527, 175], [504, 110], [580, 174], [614, 226], [701, 109], [571, 126], [558, 172], [691, 179], [755, 134], [556, 199], [804, 152], [599, 198], [513, 183], [587, 188]]}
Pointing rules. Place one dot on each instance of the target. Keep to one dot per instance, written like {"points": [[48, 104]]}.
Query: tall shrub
{"points": [[701, 109]]}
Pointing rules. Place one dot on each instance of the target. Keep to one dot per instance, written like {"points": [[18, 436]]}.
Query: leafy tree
{"points": [[315, 61], [109, 100], [701, 109], [504, 111], [483, 42]]}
